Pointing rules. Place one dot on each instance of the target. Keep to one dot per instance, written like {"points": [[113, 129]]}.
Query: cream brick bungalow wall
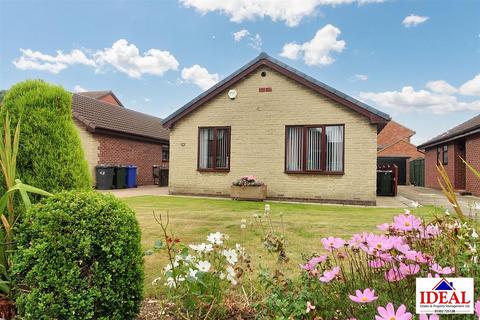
{"points": [[258, 123], [90, 146]]}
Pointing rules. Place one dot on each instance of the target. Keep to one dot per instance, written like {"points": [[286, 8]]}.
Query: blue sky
{"points": [[419, 61]]}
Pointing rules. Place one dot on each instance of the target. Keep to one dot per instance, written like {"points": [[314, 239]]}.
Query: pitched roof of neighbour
{"points": [[99, 116], [467, 128], [101, 94], [375, 116]]}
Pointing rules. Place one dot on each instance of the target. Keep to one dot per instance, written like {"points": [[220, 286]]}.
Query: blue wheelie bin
{"points": [[131, 176]]}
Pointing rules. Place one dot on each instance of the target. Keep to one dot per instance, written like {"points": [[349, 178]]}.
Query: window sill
{"points": [[324, 173], [214, 170]]}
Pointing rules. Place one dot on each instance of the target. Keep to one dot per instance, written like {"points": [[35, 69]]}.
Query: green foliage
{"points": [[9, 210], [79, 257], [50, 155], [2, 94]]}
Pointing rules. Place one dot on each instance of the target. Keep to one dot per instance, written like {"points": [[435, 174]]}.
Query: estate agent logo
{"points": [[444, 295]]}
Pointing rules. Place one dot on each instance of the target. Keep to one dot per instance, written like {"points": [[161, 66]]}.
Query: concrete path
{"points": [[139, 191], [428, 196]]}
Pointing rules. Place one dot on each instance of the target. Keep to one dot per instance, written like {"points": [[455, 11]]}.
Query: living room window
{"points": [[314, 149], [165, 153], [214, 149]]}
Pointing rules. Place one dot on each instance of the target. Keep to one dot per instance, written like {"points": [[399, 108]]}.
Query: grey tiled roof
{"points": [[96, 114], [264, 56], [462, 129]]}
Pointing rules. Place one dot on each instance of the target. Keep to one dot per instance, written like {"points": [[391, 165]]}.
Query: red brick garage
{"points": [[113, 134], [462, 141]]}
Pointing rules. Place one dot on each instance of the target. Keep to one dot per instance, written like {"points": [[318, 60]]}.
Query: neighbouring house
{"points": [[302, 138], [395, 147], [449, 148], [113, 134]]}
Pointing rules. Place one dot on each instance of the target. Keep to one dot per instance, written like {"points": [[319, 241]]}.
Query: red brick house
{"points": [[113, 134], [462, 141], [394, 147]]}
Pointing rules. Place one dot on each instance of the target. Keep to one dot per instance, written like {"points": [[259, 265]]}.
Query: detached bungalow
{"points": [[302, 138], [462, 141]]}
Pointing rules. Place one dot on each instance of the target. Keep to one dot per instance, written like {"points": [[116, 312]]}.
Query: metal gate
{"points": [[417, 172]]}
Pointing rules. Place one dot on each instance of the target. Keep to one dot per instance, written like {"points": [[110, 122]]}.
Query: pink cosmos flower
{"points": [[477, 309], [331, 243], [389, 313], [394, 275], [416, 256], [406, 222], [329, 275], [410, 269], [364, 297], [312, 263], [382, 242], [432, 317], [310, 307], [445, 270], [358, 240], [431, 276]]}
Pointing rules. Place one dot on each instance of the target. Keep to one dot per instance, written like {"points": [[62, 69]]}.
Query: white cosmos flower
{"points": [[267, 209], [415, 204], [474, 234], [231, 256], [202, 247], [215, 238], [190, 258], [192, 273], [170, 282], [155, 281], [203, 266], [231, 275], [169, 267]]}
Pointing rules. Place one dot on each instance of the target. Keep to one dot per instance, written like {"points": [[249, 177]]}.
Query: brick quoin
{"points": [[116, 150]]}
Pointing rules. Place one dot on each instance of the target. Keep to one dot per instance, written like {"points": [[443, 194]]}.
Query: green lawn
{"points": [[191, 219]]}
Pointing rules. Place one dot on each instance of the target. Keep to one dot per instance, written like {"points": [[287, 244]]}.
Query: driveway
{"points": [[428, 196], [139, 191]]}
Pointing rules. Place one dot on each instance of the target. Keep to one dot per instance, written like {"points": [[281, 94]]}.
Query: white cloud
{"points": [[199, 76], [433, 100], [414, 20], [471, 87], [126, 58], [358, 77], [148, 100], [79, 88], [316, 52], [35, 60], [122, 56], [441, 86], [256, 42], [277, 10], [239, 35]]}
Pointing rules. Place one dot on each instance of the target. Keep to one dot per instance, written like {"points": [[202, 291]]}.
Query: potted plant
{"points": [[248, 188]]}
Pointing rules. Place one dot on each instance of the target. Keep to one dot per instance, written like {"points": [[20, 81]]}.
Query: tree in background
{"points": [[50, 154]]}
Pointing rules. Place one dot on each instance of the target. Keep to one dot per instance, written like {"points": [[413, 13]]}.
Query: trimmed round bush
{"points": [[50, 154], [79, 257]]}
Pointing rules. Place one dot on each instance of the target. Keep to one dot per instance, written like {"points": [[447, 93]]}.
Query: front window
{"points": [[445, 154], [214, 149], [314, 149]]}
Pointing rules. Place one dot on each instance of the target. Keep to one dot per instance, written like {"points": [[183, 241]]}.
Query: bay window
{"points": [[314, 149], [214, 149]]}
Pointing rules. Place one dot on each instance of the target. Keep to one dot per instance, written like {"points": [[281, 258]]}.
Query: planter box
{"points": [[255, 193]]}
